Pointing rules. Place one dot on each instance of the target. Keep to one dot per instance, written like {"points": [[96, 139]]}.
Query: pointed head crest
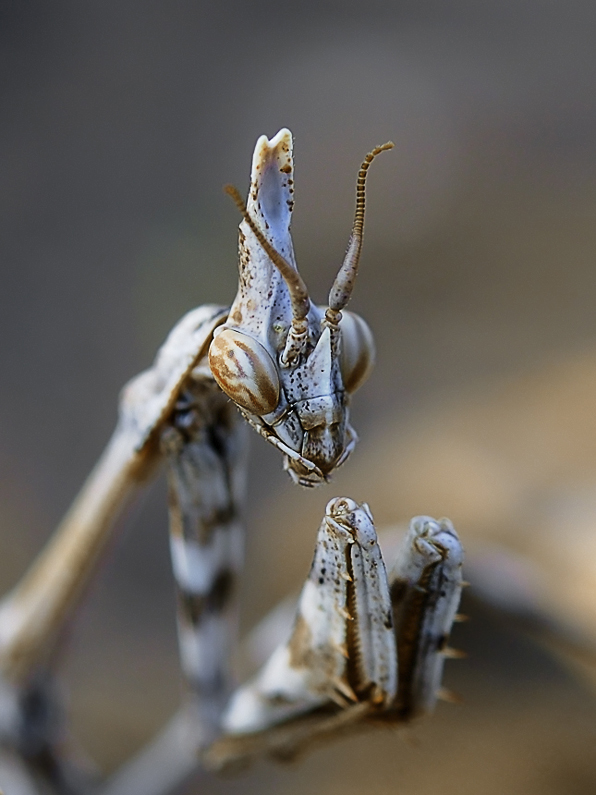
{"points": [[291, 366]]}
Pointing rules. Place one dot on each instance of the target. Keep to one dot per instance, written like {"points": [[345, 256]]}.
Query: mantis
{"points": [[366, 646]]}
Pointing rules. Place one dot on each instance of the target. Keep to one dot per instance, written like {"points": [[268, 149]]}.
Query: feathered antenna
{"points": [[340, 293]]}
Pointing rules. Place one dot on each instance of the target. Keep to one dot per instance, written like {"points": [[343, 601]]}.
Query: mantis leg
{"points": [[205, 445], [33, 616]]}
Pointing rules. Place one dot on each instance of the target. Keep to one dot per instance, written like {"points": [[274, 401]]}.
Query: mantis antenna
{"points": [[341, 291], [296, 286]]}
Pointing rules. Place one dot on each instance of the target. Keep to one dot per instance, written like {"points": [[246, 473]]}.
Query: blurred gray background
{"points": [[120, 123]]}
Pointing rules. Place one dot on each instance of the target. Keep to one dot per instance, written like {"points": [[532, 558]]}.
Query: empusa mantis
{"points": [[365, 648]]}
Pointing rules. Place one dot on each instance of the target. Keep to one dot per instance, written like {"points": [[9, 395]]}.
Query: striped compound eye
{"points": [[357, 351], [245, 371]]}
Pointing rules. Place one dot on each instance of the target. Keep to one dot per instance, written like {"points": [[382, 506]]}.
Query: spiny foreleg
{"points": [[365, 649], [426, 585]]}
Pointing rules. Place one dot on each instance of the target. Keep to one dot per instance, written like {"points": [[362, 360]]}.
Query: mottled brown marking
{"points": [[287, 169], [358, 371], [411, 605], [194, 606], [191, 607], [176, 523], [203, 530], [268, 393], [221, 591], [255, 389], [398, 590], [300, 644], [321, 660], [222, 516], [279, 700]]}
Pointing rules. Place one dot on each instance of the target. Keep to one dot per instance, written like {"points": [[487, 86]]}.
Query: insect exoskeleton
{"points": [[357, 356], [245, 371]]}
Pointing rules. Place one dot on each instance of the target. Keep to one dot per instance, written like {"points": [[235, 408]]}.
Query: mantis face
{"points": [[289, 365]]}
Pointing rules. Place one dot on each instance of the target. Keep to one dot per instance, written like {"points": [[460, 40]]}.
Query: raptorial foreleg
{"points": [[366, 649], [426, 585]]}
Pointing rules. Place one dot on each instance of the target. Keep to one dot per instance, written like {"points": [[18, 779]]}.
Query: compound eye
{"points": [[357, 351], [245, 371]]}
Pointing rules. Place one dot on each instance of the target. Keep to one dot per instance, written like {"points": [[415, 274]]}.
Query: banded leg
{"points": [[206, 450], [34, 728], [34, 615]]}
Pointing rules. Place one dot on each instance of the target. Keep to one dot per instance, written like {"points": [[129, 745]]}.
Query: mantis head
{"points": [[289, 365]]}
